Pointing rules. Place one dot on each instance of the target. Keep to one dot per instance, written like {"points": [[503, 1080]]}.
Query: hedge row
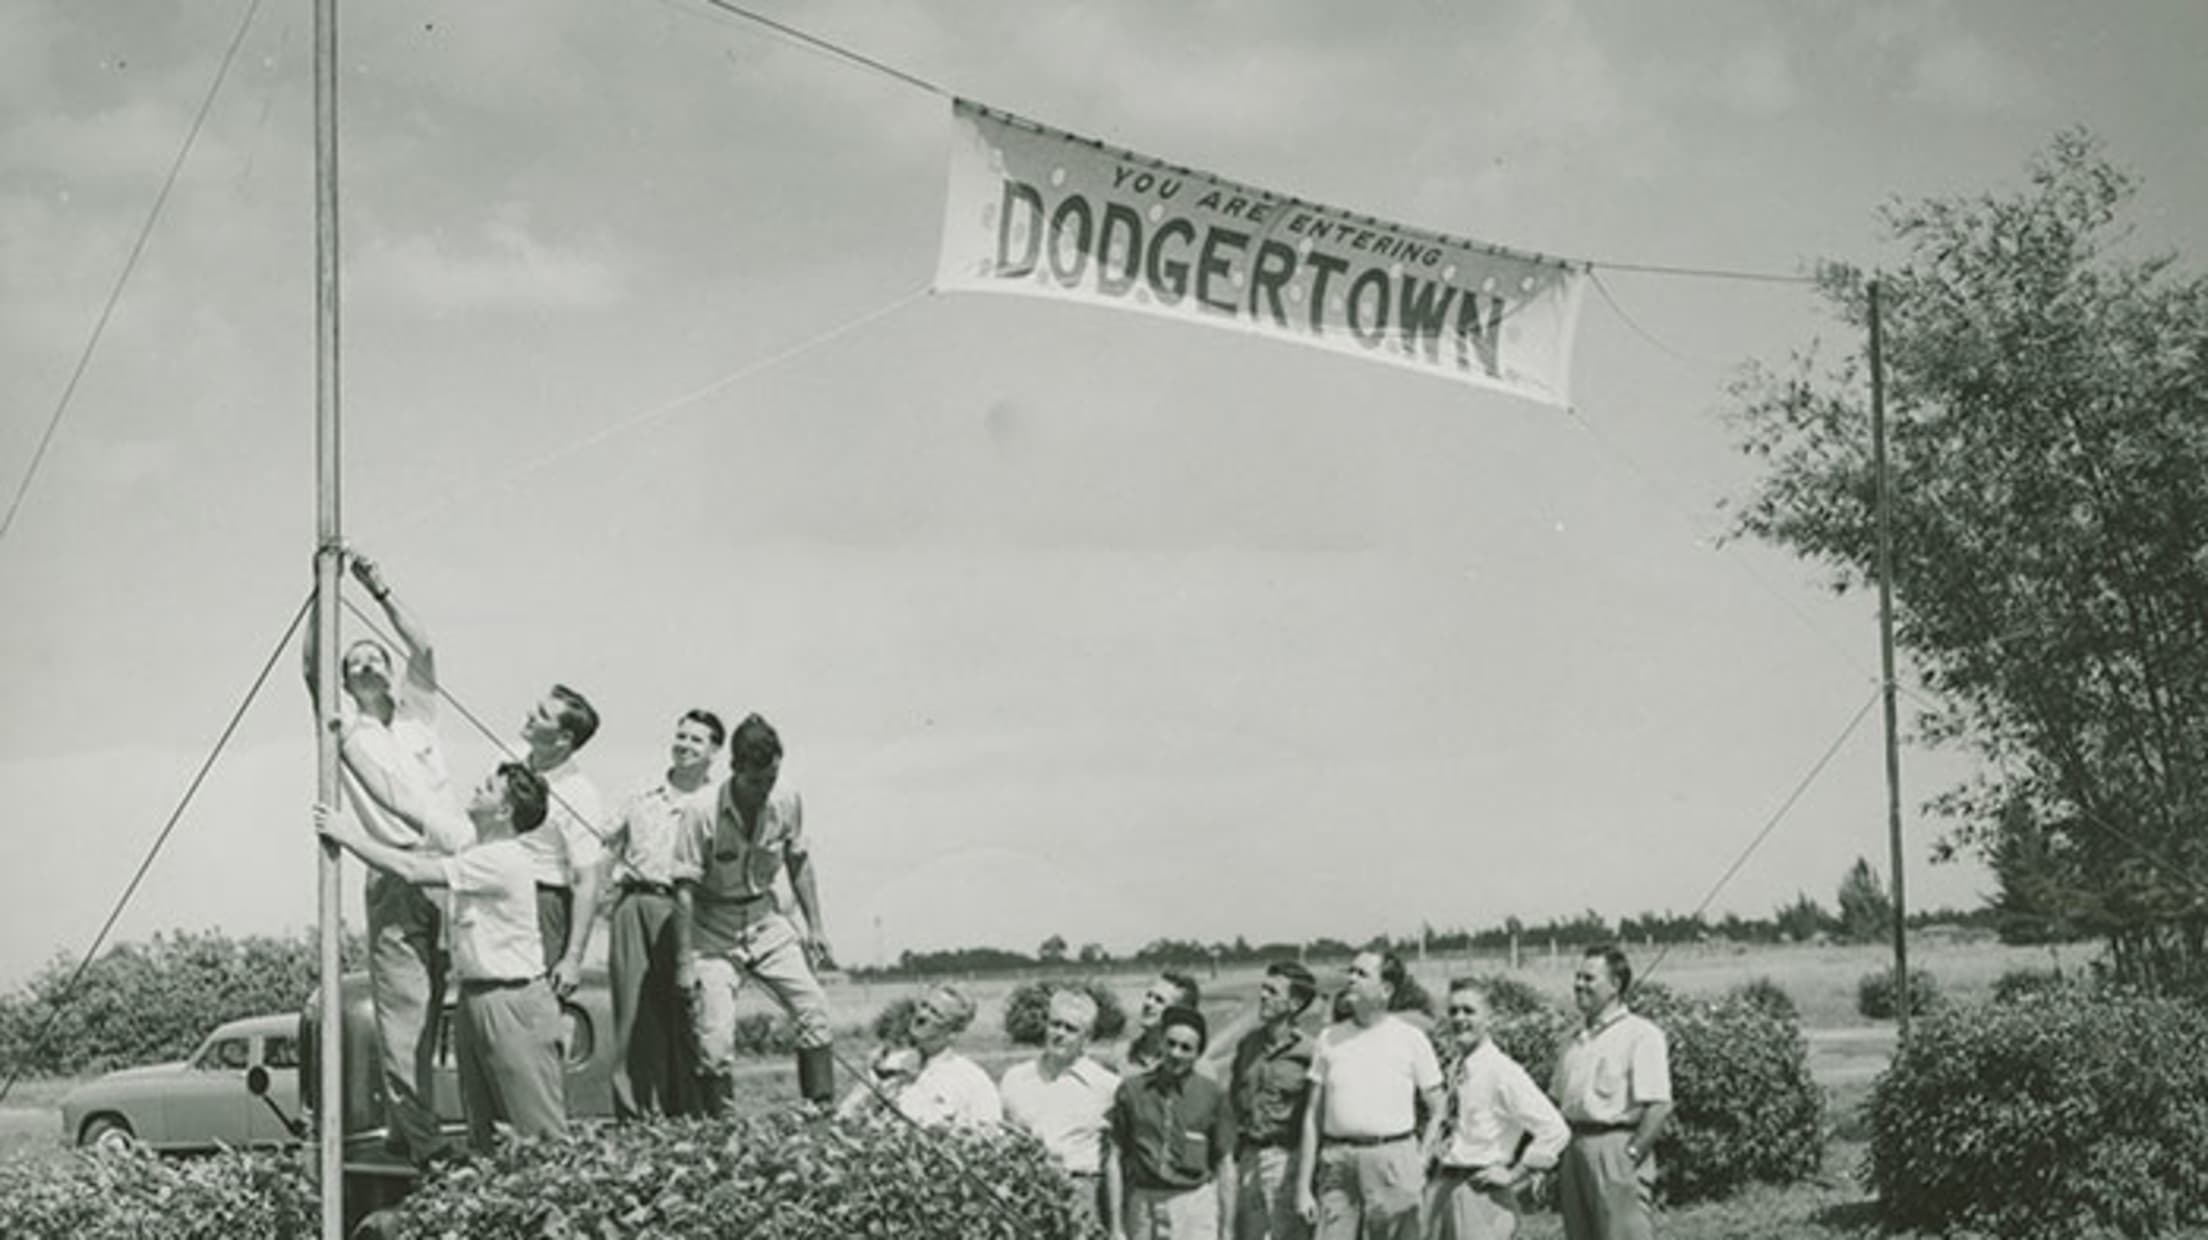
{"points": [[134, 1195], [2047, 1114], [780, 1176]]}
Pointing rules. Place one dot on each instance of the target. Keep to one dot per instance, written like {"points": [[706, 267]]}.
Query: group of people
{"points": [[1271, 1131], [498, 895], [1357, 1131]]}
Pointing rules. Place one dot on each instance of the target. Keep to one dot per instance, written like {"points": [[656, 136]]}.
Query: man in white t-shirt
{"points": [[570, 853], [395, 777], [1061, 1096], [506, 1031], [1362, 1167]]}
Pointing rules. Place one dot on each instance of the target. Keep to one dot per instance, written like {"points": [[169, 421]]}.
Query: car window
{"points": [[280, 1052], [228, 1055]]}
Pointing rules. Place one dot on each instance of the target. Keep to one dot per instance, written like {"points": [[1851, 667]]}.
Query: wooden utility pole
{"points": [[1904, 994], [328, 567]]}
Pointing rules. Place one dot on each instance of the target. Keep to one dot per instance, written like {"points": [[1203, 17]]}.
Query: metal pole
{"points": [[330, 1111], [1903, 994]]}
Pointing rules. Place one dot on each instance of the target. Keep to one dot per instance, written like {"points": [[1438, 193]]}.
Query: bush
{"points": [[778, 1176], [765, 1033], [2018, 984], [1509, 996], [1746, 1109], [1027, 1010], [2044, 1118], [1769, 997], [142, 1002], [1874, 995], [129, 1195]]}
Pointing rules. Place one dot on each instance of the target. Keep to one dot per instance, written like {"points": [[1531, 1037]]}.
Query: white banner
{"points": [[1042, 213]]}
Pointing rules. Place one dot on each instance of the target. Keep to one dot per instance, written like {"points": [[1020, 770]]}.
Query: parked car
{"points": [[199, 1102], [375, 1175]]}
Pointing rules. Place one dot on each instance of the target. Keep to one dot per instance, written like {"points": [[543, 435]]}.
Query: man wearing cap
{"points": [[1361, 1170], [1500, 1129], [1168, 1170], [653, 1068], [1613, 1084], [1062, 1096], [728, 926], [397, 782], [1269, 1081], [506, 1030]]}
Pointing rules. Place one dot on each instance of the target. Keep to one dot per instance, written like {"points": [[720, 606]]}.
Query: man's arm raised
{"points": [[421, 657]]}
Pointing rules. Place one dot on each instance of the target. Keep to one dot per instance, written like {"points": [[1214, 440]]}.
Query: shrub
{"points": [[125, 1196], [142, 1002], [1027, 1010], [1746, 1109], [777, 1176], [2017, 984], [2043, 1118], [765, 1033], [1509, 996], [1769, 997], [1874, 995]]}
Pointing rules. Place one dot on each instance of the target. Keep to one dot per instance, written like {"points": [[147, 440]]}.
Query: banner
{"points": [[1035, 211]]}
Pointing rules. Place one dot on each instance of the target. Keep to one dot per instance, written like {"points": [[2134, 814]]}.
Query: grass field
{"points": [[1846, 1053]]}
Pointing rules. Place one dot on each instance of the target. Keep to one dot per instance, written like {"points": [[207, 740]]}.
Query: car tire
{"points": [[109, 1133]]}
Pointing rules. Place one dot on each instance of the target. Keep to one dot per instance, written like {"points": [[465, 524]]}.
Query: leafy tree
{"points": [[1094, 953], [1053, 950], [2048, 453], [1866, 910], [1803, 920]]}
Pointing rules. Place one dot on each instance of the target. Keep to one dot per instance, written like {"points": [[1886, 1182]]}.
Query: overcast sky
{"points": [[1074, 622]]}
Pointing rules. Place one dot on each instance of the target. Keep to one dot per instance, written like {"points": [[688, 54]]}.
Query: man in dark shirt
{"points": [[1269, 1084], [1171, 1133]]}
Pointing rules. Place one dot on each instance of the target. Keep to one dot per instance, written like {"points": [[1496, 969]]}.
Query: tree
{"points": [[2048, 448], [1866, 910], [1094, 953], [1803, 920], [1053, 950]]}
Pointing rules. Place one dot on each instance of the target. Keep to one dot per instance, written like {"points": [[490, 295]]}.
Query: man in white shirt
{"points": [[1362, 1166], [506, 1031], [396, 780], [569, 855], [929, 1082], [654, 1071], [1613, 1083], [1061, 1096], [1499, 1129]]}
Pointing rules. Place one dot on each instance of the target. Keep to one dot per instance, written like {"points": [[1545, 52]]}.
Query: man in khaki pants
{"points": [[1613, 1083]]}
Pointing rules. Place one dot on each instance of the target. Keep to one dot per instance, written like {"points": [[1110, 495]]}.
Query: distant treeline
{"points": [[1803, 921]]}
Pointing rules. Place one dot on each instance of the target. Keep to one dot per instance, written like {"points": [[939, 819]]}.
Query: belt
{"points": [[1267, 1143], [1460, 1171], [484, 985], [1588, 1128], [1368, 1142], [553, 887], [643, 887], [713, 897]]}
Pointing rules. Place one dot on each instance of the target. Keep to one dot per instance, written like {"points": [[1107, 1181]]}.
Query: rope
{"points": [[1706, 273], [1784, 808], [130, 264], [175, 816], [860, 59]]}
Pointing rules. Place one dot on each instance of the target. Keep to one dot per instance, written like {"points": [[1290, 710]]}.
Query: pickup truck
{"points": [[375, 1177]]}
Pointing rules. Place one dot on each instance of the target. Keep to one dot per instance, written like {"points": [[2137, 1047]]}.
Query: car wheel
{"points": [[110, 1133]]}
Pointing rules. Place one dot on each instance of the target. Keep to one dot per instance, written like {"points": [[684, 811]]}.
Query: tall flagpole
{"points": [[1904, 994], [330, 1113]]}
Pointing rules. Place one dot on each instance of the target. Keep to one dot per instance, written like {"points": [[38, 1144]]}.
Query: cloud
{"points": [[1756, 78], [1962, 73], [501, 265]]}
